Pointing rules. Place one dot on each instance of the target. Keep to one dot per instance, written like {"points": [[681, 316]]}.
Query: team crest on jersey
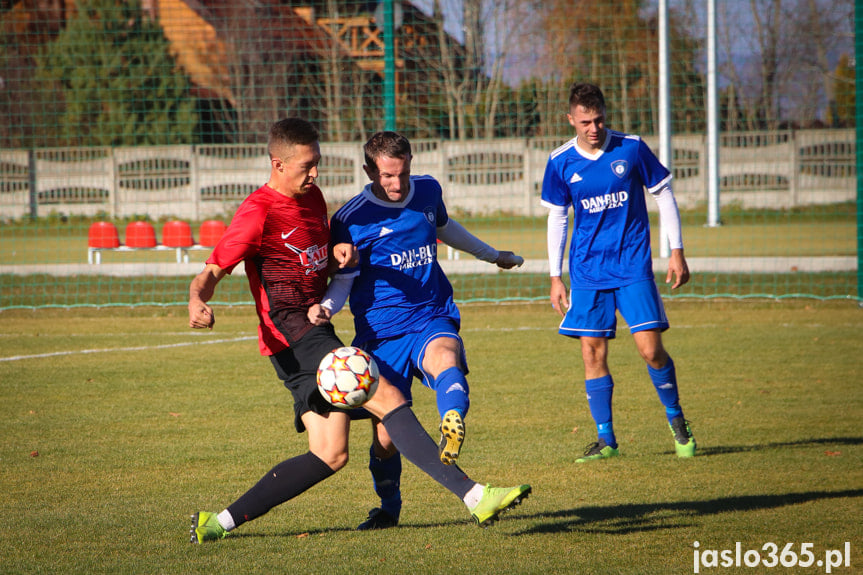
{"points": [[619, 167], [429, 214]]}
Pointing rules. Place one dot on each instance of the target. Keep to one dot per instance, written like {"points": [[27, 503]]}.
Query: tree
{"points": [[118, 82], [614, 45]]}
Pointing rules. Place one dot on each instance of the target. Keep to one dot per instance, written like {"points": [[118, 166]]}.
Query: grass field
{"points": [[121, 422]]}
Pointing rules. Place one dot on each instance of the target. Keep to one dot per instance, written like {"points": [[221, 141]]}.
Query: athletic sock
{"points": [[452, 391], [665, 381], [411, 439], [283, 482], [386, 476], [226, 520], [599, 393], [474, 496]]}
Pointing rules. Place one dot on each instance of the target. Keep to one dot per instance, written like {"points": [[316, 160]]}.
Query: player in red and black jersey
{"points": [[281, 234]]}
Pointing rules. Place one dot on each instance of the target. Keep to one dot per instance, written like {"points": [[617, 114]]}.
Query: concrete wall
{"points": [[757, 170]]}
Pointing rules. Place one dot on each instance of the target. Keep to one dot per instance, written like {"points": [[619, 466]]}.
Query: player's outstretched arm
{"points": [[508, 260], [201, 289], [454, 234], [678, 268]]}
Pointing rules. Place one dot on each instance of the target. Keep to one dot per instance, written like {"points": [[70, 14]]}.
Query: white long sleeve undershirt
{"points": [[669, 216], [454, 234], [558, 226]]}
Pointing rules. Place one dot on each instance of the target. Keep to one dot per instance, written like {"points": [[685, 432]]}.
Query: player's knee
{"points": [[655, 356], [386, 398], [595, 357], [442, 354], [335, 459]]}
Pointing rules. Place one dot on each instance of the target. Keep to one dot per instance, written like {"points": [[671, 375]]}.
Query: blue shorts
{"points": [[592, 312], [400, 358]]}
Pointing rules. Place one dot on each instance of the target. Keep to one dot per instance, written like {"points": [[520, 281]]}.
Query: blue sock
{"points": [[665, 381], [452, 391], [599, 392], [386, 476]]}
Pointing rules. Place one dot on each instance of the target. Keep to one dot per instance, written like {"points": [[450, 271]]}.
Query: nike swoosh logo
{"points": [[287, 235]]}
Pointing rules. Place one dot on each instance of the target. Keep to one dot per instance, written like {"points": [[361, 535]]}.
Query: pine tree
{"points": [[117, 79]]}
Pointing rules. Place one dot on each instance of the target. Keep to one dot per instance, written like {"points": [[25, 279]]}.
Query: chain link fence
{"points": [[157, 111]]}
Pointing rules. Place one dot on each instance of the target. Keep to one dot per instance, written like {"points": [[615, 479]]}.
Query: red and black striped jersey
{"points": [[284, 243]]}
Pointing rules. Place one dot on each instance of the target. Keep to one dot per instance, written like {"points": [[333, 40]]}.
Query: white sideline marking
{"points": [[138, 348], [246, 338]]}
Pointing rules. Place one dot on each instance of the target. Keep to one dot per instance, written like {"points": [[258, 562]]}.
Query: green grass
{"points": [[104, 291], [137, 421]]}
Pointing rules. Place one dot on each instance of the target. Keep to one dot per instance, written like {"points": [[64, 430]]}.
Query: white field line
{"points": [[247, 338], [137, 348]]}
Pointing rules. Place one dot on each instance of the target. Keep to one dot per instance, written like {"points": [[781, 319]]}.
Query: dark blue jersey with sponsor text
{"points": [[610, 244]]}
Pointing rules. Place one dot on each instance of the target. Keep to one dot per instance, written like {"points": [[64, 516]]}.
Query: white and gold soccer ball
{"points": [[348, 377]]}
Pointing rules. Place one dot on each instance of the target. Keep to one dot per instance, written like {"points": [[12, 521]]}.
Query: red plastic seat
{"points": [[140, 235], [211, 232], [177, 234], [103, 235]]}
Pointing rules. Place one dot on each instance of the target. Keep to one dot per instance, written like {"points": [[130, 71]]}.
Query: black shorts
{"points": [[297, 367]]}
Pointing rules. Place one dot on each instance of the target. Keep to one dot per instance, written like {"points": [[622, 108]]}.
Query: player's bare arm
{"points": [[200, 291], [678, 268], [559, 301]]}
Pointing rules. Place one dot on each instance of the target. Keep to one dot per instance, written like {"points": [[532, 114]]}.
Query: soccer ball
{"points": [[348, 377]]}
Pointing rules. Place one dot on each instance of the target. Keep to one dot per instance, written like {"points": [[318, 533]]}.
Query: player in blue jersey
{"points": [[602, 175], [288, 280], [402, 302]]}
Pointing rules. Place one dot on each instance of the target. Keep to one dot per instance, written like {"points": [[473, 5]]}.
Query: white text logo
{"points": [[604, 202], [421, 256]]}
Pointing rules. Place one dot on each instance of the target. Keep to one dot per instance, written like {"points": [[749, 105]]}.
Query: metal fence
{"points": [[158, 109]]}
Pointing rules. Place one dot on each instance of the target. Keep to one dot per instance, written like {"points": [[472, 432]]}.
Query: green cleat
{"points": [[496, 500], [206, 527], [451, 437], [684, 443], [598, 450]]}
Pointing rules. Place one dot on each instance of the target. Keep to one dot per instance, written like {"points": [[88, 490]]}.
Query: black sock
{"points": [[411, 439], [284, 481]]}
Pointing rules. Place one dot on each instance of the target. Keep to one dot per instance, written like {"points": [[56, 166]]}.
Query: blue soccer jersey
{"points": [[399, 286], [610, 244]]}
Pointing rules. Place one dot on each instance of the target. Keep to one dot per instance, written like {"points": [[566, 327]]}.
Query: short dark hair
{"points": [[291, 132], [389, 144], [586, 95]]}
